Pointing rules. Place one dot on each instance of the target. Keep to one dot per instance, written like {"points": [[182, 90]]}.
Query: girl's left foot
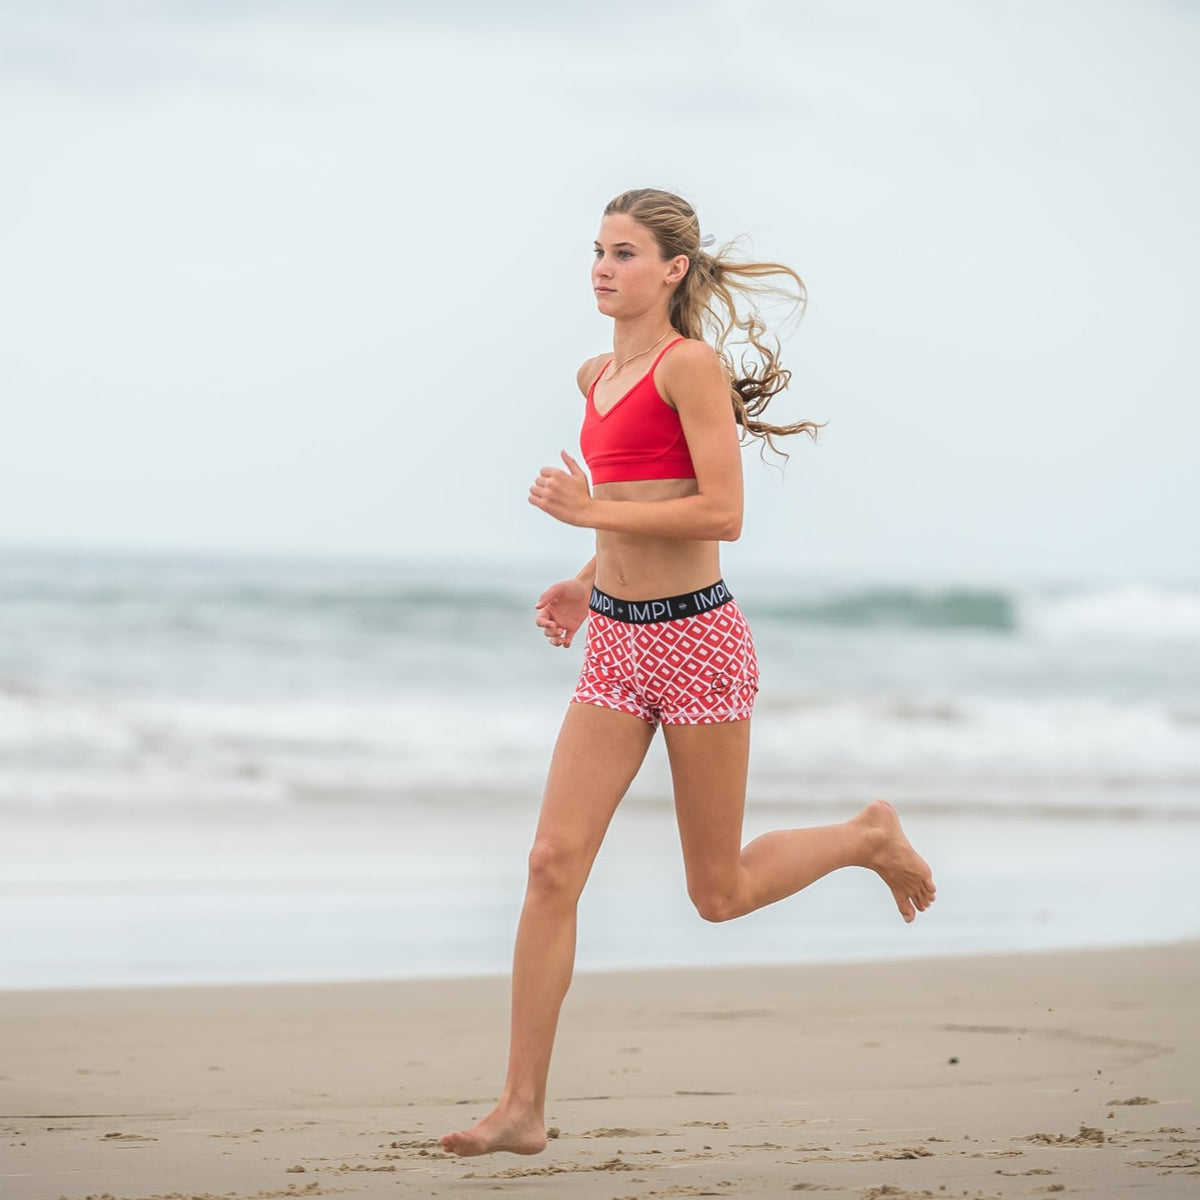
{"points": [[893, 859], [500, 1130]]}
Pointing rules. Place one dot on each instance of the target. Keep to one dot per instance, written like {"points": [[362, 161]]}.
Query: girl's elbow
{"points": [[721, 520]]}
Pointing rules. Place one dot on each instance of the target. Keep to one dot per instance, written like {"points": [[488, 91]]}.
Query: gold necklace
{"points": [[617, 370]]}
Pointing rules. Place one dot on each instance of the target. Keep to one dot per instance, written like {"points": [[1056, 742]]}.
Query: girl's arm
{"points": [[692, 379]]}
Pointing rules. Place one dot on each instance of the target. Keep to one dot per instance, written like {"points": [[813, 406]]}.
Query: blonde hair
{"points": [[705, 305]]}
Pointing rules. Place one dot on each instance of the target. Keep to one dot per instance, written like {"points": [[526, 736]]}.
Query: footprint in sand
{"points": [[618, 1131]]}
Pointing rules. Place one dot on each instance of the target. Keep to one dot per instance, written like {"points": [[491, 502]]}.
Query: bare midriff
{"points": [[635, 567]]}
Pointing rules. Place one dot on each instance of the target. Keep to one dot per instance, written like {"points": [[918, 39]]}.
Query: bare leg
{"points": [[725, 880], [598, 753]]}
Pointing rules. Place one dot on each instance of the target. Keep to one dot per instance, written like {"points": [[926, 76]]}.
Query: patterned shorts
{"points": [[685, 660]]}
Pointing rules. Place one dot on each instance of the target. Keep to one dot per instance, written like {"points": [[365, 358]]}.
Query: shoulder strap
{"points": [[598, 374], [663, 352]]}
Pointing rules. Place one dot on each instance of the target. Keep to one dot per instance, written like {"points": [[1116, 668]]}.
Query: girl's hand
{"points": [[563, 494], [561, 609]]}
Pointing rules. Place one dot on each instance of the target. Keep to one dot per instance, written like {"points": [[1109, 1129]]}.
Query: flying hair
{"points": [[719, 301]]}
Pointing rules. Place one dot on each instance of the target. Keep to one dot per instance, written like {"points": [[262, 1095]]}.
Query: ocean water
{"points": [[223, 770]]}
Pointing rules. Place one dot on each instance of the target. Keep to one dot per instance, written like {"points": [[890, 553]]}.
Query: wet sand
{"points": [[1032, 1075]]}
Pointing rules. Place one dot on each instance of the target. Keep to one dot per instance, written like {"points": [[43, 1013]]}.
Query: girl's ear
{"points": [[678, 268]]}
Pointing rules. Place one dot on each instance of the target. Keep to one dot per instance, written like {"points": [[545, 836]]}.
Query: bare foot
{"points": [[499, 1130], [893, 859]]}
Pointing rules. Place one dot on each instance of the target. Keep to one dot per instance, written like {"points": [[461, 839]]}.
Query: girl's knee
{"points": [[556, 868], [715, 904]]}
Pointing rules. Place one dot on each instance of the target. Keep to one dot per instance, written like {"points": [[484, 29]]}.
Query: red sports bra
{"points": [[639, 437]]}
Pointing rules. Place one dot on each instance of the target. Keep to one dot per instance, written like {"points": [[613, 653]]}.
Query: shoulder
{"points": [[586, 374], [691, 368], [690, 350]]}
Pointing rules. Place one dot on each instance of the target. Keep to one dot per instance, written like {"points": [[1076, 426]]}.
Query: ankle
{"points": [[869, 840], [521, 1104]]}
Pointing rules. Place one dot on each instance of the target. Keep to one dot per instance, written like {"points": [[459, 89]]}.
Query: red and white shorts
{"points": [[684, 660]]}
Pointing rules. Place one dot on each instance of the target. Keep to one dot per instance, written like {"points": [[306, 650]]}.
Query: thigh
{"points": [[702, 669], [708, 772], [598, 752]]}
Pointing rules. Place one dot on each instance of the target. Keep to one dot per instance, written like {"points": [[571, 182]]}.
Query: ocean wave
{"points": [[215, 596], [1135, 612], [1131, 612], [271, 685], [65, 746], [902, 607]]}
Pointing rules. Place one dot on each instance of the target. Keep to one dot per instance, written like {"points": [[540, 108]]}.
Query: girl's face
{"points": [[629, 275]]}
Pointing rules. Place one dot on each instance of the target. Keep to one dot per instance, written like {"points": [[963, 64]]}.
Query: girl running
{"points": [[666, 643]]}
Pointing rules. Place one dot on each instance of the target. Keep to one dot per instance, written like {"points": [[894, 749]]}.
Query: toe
{"points": [[456, 1143]]}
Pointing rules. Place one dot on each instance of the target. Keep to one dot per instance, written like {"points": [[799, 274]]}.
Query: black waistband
{"points": [[646, 612]]}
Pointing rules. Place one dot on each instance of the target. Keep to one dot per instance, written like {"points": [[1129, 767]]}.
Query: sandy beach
{"points": [[985, 1077]]}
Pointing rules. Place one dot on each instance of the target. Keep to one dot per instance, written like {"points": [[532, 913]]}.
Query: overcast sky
{"points": [[313, 277]]}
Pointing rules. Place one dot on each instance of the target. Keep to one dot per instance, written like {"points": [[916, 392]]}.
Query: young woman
{"points": [[666, 642]]}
